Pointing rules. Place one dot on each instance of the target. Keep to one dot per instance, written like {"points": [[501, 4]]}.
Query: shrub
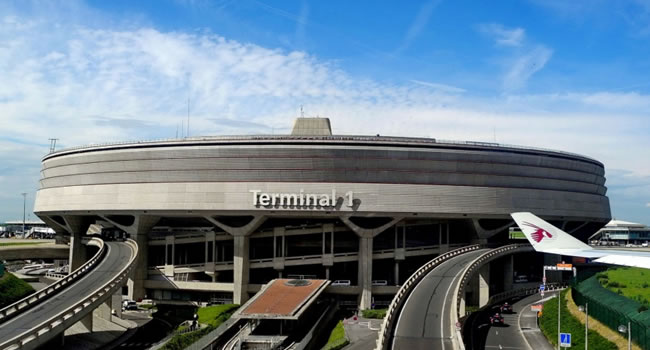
{"points": [[13, 289], [374, 313], [642, 308]]}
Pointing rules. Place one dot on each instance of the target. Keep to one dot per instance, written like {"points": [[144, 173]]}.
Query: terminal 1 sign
{"points": [[301, 199]]}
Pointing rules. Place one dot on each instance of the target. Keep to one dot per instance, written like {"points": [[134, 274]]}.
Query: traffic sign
{"points": [[542, 287], [565, 340]]}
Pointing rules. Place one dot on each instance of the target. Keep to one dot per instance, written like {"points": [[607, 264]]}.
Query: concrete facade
{"points": [[217, 208]]}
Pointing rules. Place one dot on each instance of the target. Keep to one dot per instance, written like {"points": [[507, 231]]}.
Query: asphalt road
{"points": [[520, 330], [424, 321], [117, 257]]}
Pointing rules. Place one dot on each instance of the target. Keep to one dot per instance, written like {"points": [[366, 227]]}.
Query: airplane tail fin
{"points": [[544, 236]]}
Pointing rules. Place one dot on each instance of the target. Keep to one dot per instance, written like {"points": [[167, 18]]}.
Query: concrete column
{"points": [[87, 322], [169, 256], [461, 309], [483, 285], [365, 272], [508, 267], [397, 273], [241, 268], [327, 272], [104, 310], [139, 275], [77, 255], [77, 226]]}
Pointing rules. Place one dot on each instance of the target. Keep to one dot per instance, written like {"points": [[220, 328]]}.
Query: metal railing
{"points": [[332, 138], [49, 328], [398, 301], [33, 299]]}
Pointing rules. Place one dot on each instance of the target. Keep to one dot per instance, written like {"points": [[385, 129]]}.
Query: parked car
{"points": [[341, 283]]}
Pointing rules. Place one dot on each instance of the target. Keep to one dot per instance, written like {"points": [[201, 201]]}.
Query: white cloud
{"points": [[85, 85], [503, 36], [524, 66], [418, 24], [438, 86]]}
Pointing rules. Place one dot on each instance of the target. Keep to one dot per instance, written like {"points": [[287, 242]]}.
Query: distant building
{"points": [[623, 232], [33, 228]]}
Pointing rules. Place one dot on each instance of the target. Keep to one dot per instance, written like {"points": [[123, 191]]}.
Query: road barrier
{"points": [[48, 329], [386, 330], [33, 299]]}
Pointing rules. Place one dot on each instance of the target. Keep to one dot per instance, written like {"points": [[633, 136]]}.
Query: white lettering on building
{"points": [[300, 199]]}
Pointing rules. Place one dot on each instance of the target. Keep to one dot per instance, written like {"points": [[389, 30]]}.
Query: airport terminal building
{"points": [[217, 217]]}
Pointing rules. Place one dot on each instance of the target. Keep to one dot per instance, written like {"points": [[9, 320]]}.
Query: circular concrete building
{"points": [[219, 216]]}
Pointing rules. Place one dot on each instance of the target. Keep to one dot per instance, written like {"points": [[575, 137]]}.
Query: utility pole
{"points": [[559, 300], [24, 205]]}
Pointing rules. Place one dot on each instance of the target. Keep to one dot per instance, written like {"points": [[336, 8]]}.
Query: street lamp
{"points": [[585, 309], [24, 200], [628, 329]]}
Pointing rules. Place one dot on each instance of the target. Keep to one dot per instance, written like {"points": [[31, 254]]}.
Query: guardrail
{"points": [[47, 329], [398, 301], [497, 298], [55, 275], [480, 261], [33, 299]]}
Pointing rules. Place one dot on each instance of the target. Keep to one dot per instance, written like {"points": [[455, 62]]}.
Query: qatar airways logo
{"points": [[539, 233]]}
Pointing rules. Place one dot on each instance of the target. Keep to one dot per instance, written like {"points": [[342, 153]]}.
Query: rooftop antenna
{"points": [[52, 144], [182, 127], [302, 112], [176, 130]]}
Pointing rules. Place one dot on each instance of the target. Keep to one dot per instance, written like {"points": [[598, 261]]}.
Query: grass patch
{"points": [[337, 339], [569, 324], [13, 289], [213, 316], [516, 235], [630, 282], [147, 306], [6, 244], [374, 313]]}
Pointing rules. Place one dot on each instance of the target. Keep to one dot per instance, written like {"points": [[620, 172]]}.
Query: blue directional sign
{"points": [[542, 287], [565, 340]]}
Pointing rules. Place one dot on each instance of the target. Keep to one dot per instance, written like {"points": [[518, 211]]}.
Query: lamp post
{"points": [[628, 329], [559, 300], [586, 311], [24, 200]]}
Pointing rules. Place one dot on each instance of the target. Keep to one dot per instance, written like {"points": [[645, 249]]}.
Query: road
{"points": [[424, 321], [519, 332], [117, 257]]}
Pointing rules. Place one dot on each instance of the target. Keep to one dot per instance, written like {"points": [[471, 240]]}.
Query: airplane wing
{"points": [[547, 238]]}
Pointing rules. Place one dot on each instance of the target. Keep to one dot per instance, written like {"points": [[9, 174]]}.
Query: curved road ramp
{"points": [[62, 304], [411, 321]]}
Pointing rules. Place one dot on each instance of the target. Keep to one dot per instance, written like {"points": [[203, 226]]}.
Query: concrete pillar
{"points": [[483, 285], [327, 272], [116, 303], [169, 255], [241, 268], [139, 275], [87, 322], [396, 273], [509, 268], [104, 310], [365, 272], [77, 255], [77, 226], [461, 308]]}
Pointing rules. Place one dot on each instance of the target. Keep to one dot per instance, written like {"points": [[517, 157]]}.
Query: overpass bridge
{"points": [[42, 317], [427, 310]]}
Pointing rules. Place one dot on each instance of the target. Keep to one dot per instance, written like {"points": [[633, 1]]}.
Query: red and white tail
{"points": [[545, 237]]}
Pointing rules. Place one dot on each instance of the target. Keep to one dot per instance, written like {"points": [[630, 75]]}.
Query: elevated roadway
{"points": [[425, 320], [44, 321]]}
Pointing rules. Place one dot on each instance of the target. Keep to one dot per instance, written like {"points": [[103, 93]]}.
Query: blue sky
{"points": [[566, 75]]}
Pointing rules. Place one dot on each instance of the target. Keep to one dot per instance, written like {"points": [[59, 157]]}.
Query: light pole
{"points": [[24, 200], [627, 329], [586, 310], [559, 300]]}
